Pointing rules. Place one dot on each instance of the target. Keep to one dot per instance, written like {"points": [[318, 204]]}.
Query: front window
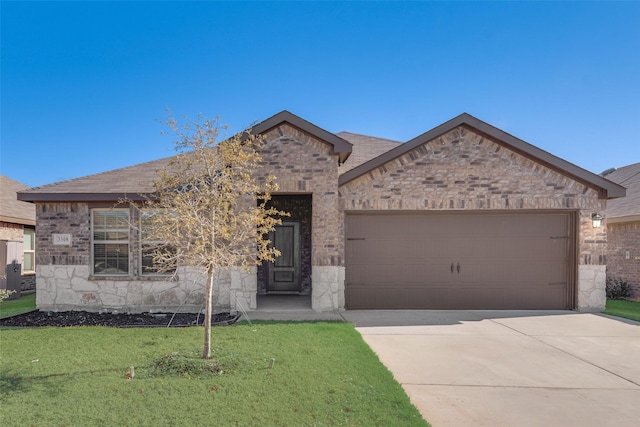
{"points": [[28, 251], [155, 256], [110, 241]]}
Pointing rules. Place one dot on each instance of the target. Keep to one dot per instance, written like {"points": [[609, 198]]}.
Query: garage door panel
{"points": [[461, 298], [499, 261], [383, 273]]}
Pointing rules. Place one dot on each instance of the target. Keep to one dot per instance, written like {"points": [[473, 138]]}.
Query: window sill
{"points": [[123, 278]]}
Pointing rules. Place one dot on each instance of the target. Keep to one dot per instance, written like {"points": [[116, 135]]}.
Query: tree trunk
{"points": [[206, 353]]}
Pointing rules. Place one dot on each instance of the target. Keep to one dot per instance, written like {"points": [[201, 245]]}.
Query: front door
{"points": [[284, 273]]}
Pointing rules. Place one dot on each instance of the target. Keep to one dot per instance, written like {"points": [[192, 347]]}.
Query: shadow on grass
{"points": [[14, 382]]}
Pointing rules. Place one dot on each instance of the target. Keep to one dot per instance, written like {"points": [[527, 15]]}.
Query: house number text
{"points": [[61, 239]]}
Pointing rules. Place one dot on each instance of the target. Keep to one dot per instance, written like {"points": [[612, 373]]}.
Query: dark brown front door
{"points": [[284, 273]]}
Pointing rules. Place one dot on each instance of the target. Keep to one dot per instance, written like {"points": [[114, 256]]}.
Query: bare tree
{"points": [[209, 210]]}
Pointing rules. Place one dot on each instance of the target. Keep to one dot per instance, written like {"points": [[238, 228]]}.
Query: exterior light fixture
{"points": [[596, 220]]}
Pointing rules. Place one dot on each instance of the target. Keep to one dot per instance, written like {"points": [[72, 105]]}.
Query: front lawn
{"points": [[24, 304], [321, 374], [622, 308]]}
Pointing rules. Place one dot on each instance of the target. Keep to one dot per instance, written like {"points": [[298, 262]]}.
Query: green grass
{"points": [[622, 308], [324, 374], [21, 305]]}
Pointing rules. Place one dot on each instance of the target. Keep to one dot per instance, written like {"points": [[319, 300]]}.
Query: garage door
{"points": [[458, 261]]}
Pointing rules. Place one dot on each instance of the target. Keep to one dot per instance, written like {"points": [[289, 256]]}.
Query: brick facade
{"points": [[10, 231], [63, 218], [623, 240], [305, 165]]}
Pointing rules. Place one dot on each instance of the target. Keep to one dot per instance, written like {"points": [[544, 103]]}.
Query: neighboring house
{"points": [[17, 238], [464, 216], [623, 228]]}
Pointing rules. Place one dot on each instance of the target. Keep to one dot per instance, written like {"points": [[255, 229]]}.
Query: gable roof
{"points": [[610, 189], [626, 208], [340, 147], [365, 148], [13, 210], [133, 182]]}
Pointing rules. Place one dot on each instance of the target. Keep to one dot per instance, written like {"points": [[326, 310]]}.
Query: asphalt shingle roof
{"points": [[629, 177], [129, 181], [11, 209], [364, 149]]}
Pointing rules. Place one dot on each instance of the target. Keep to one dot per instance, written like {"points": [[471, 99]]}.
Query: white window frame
{"points": [[126, 241], [29, 252]]}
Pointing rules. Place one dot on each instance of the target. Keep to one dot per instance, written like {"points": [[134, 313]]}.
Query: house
{"points": [[17, 239], [623, 228], [464, 216]]}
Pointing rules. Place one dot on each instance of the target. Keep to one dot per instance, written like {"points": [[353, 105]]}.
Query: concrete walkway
{"points": [[510, 368]]}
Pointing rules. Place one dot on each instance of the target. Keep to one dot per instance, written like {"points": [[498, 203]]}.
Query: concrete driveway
{"points": [[510, 368]]}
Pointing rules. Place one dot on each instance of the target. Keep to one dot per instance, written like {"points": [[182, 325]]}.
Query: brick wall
{"points": [[10, 231], [63, 218], [303, 164], [622, 238]]}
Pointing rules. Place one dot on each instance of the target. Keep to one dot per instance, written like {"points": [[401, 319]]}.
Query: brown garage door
{"points": [[459, 261]]}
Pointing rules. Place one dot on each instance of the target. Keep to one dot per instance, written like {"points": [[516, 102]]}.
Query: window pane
{"points": [[110, 235], [148, 219], [110, 258], [28, 264], [110, 226], [148, 267], [29, 239], [151, 217], [110, 219]]}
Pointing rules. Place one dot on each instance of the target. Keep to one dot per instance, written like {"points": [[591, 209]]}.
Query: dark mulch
{"points": [[84, 318]]}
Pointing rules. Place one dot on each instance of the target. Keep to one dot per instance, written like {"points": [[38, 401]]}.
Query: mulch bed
{"points": [[84, 318]]}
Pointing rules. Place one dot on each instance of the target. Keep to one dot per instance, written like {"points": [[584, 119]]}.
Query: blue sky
{"points": [[86, 85]]}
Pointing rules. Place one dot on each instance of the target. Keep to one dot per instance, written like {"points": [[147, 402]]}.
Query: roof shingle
{"points": [[129, 182], [364, 149], [11, 209], [629, 206]]}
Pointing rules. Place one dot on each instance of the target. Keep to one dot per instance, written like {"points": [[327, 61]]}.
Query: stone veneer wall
{"points": [[623, 237], [462, 170], [305, 165], [70, 287]]}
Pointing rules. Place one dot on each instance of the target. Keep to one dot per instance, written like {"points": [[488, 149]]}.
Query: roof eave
{"points": [[340, 146], [611, 189], [81, 197], [21, 221], [623, 218]]}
